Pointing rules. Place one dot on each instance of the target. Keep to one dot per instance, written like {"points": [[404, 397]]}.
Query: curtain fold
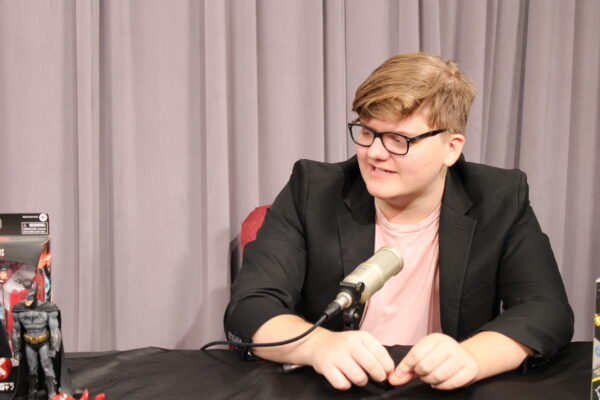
{"points": [[149, 129], [89, 277]]}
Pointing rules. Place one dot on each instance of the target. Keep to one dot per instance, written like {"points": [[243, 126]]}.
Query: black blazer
{"points": [[493, 255]]}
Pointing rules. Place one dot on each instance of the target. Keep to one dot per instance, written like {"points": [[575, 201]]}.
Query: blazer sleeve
{"points": [[536, 310], [274, 265]]}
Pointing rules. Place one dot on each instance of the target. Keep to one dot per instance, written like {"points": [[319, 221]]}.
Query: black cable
{"points": [[320, 321], [331, 310], [334, 308]]}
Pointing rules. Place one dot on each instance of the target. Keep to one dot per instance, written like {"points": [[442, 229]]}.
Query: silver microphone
{"points": [[369, 277]]}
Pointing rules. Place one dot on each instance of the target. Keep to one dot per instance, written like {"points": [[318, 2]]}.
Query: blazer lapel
{"points": [[455, 237], [357, 229], [357, 226]]}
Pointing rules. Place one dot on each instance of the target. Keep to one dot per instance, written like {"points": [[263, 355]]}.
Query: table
{"points": [[155, 373]]}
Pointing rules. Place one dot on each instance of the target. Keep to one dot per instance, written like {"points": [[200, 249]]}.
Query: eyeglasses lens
{"points": [[365, 137]]}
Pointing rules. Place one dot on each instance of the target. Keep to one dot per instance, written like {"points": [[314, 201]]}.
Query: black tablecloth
{"points": [[154, 373]]}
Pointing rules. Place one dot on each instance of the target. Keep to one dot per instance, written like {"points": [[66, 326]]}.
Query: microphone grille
{"points": [[389, 259]]}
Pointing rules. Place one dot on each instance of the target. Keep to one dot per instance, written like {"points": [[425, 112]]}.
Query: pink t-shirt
{"points": [[407, 307]]}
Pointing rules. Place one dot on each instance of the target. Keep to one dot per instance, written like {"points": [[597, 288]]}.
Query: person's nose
{"points": [[377, 151]]}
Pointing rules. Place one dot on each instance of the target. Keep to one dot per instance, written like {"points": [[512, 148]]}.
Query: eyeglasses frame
{"points": [[379, 135]]}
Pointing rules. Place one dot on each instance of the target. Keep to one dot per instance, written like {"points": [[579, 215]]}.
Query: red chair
{"points": [[251, 224]]}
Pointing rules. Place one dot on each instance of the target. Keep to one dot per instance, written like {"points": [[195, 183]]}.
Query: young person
{"points": [[480, 291]]}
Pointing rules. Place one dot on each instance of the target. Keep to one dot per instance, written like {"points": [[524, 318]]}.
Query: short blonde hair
{"points": [[417, 83]]}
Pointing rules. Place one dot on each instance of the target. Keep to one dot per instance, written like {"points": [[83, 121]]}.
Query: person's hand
{"points": [[350, 357], [438, 360]]}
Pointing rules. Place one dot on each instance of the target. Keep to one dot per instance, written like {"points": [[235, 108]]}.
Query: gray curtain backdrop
{"points": [[149, 129]]}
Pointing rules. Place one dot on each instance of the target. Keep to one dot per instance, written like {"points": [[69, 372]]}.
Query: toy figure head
{"points": [[31, 298], [4, 274]]}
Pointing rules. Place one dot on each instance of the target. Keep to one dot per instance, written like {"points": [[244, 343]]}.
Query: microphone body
{"points": [[366, 279]]}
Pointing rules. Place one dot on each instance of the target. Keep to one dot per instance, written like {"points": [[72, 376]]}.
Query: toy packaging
{"points": [[595, 395], [25, 259]]}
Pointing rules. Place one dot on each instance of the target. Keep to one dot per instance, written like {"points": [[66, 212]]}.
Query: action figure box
{"points": [[25, 262], [595, 395]]}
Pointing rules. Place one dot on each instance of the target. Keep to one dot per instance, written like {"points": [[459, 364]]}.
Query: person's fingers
{"points": [[376, 361], [352, 355], [353, 371], [463, 377], [435, 357], [336, 378], [400, 376], [423, 359], [419, 351], [444, 371], [368, 363]]}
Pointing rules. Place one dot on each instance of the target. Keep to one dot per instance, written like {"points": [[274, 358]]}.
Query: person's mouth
{"points": [[381, 170]]}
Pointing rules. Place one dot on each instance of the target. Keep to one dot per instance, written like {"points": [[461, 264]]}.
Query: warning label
{"points": [[34, 228]]}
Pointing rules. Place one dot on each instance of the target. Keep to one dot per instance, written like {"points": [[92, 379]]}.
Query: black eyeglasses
{"points": [[393, 142]]}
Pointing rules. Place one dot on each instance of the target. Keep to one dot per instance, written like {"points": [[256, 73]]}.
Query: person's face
{"points": [[411, 179]]}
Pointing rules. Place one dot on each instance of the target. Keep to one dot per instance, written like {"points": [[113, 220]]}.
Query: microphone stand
{"points": [[351, 317]]}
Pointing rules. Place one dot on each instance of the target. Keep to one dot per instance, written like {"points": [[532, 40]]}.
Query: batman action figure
{"points": [[36, 328]]}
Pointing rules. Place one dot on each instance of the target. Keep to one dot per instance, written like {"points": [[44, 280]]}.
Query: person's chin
{"points": [[380, 193]]}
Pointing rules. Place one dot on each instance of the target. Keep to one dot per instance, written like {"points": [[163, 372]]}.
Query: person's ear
{"points": [[454, 148]]}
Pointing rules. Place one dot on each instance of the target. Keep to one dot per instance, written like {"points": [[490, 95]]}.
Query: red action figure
{"points": [[84, 396]]}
